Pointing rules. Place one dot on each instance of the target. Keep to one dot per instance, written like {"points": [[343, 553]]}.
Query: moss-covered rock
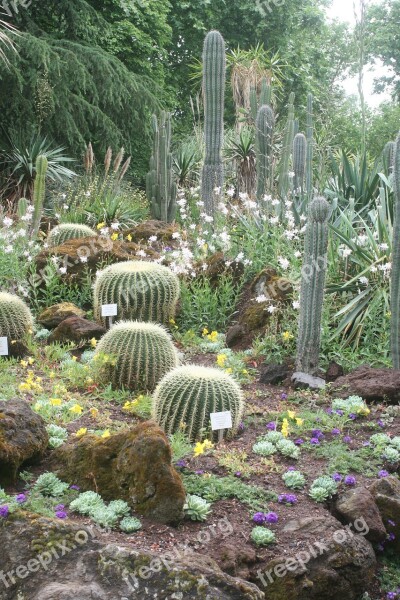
{"points": [[386, 493], [76, 329], [133, 465], [53, 315], [23, 438]]}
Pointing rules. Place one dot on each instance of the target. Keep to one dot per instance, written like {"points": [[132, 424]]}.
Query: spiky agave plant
{"points": [[68, 231], [142, 290], [187, 395], [16, 320], [141, 354]]}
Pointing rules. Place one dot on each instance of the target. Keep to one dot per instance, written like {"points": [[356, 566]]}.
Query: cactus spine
{"points": [[68, 231], [395, 283], [187, 395], [284, 181], [141, 353], [264, 131], [142, 290], [39, 190], [16, 320], [299, 161], [161, 187], [214, 65], [312, 286], [310, 148]]}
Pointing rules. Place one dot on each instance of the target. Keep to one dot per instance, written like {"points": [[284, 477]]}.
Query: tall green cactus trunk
{"points": [[214, 66], [284, 166], [388, 156], [265, 122], [310, 148], [161, 188], [299, 161], [313, 286], [395, 283], [39, 190]]}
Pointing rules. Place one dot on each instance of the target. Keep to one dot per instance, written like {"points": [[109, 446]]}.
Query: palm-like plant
{"points": [[18, 165], [6, 43], [241, 149]]}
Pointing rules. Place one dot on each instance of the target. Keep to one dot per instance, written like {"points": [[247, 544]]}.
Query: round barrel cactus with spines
{"points": [[68, 231], [16, 320], [186, 396], [141, 354], [142, 290]]}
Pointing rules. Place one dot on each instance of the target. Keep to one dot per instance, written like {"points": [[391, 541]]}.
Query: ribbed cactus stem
{"points": [[161, 187], [68, 231], [39, 190], [388, 156], [395, 283], [214, 66], [186, 396], [16, 320], [265, 122], [313, 286], [284, 166], [22, 207], [299, 160], [142, 354], [310, 148]]}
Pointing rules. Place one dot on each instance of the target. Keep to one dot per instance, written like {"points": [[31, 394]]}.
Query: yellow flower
{"points": [[100, 225], [363, 411], [76, 409], [129, 237], [291, 414], [245, 372], [213, 336], [82, 431], [207, 444], [172, 321], [55, 401], [285, 428], [24, 363], [74, 358], [89, 381], [94, 412], [205, 331], [52, 375], [24, 387], [198, 449], [114, 236], [221, 358], [228, 370], [31, 360], [287, 336], [299, 421], [106, 434], [93, 342]]}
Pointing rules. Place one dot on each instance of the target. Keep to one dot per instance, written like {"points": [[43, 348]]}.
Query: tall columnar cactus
{"points": [[39, 190], [312, 286], [142, 290], [161, 188], [16, 320], [68, 231], [388, 156], [141, 354], [186, 396], [22, 207], [265, 122], [284, 166], [310, 148], [214, 66], [299, 160], [395, 284]]}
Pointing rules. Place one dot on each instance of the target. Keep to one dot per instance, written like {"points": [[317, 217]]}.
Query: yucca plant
{"points": [[240, 149]]}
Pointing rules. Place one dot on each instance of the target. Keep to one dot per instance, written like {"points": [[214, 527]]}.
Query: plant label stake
{"points": [[109, 310], [221, 421], [3, 346]]}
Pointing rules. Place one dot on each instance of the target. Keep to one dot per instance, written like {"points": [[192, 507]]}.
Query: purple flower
{"points": [[299, 442], [181, 463], [391, 596], [314, 441], [241, 426], [271, 517], [61, 514], [337, 477], [287, 498], [350, 480], [59, 507], [199, 472], [352, 416], [380, 423], [391, 537], [271, 425], [381, 547], [383, 473], [339, 412], [283, 396], [238, 474], [335, 431], [74, 487], [4, 511], [20, 498], [317, 433], [347, 439], [392, 523], [329, 411], [167, 248], [291, 468], [366, 444], [259, 518]]}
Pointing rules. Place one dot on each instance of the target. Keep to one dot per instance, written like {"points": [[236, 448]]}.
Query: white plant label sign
{"points": [[109, 310], [221, 420], [3, 346]]}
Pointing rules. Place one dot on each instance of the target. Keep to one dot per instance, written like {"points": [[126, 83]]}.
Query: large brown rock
{"points": [[49, 559], [76, 329], [329, 563], [95, 252], [253, 316], [371, 384], [386, 492], [147, 229], [53, 315], [23, 438], [360, 502], [133, 465]]}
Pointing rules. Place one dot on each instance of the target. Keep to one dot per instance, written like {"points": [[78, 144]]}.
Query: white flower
{"points": [[192, 226], [271, 309], [373, 269], [364, 280], [200, 203], [153, 238], [383, 246], [362, 239], [30, 208], [83, 259], [274, 220], [63, 196], [261, 298], [239, 257], [284, 263], [243, 195], [296, 304], [87, 194], [346, 252], [291, 174], [204, 266], [267, 198], [176, 235], [7, 222], [55, 259], [217, 190], [8, 249], [104, 231], [297, 254], [63, 270], [65, 206], [208, 219], [230, 192], [115, 225], [275, 202], [141, 253]]}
